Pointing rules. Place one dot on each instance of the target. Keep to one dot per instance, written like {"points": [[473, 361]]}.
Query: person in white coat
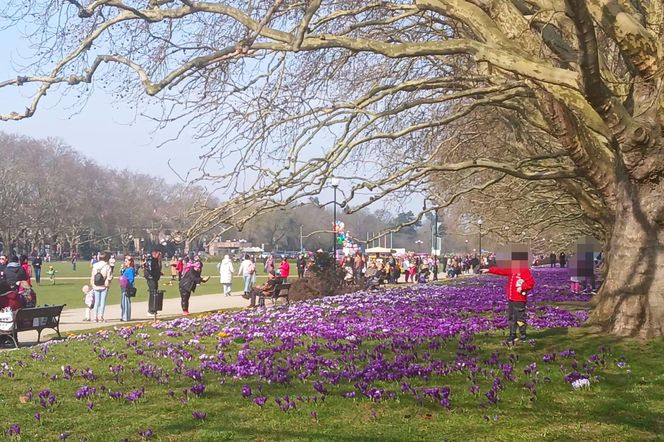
{"points": [[226, 274]]}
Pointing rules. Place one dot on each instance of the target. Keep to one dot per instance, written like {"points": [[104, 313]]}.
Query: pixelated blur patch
{"points": [[520, 256]]}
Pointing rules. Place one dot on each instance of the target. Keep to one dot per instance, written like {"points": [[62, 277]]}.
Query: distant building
{"points": [[220, 247]]}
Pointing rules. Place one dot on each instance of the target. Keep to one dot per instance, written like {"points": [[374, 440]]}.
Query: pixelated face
{"points": [[585, 252], [513, 256]]}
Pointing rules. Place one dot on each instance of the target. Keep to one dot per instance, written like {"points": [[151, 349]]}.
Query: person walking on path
{"points": [[152, 273], [37, 267], [174, 269], [100, 280], [179, 268], [74, 259], [269, 264], [226, 274], [247, 270], [128, 291]]}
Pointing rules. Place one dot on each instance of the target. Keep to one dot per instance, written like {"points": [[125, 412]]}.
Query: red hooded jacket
{"points": [[284, 269], [516, 275]]}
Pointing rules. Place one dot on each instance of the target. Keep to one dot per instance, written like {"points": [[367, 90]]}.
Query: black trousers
{"points": [[184, 299], [516, 317], [253, 294], [153, 286]]}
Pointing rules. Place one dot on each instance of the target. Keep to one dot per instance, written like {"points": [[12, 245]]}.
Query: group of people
{"points": [[189, 276], [561, 259], [16, 283], [414, 268]]}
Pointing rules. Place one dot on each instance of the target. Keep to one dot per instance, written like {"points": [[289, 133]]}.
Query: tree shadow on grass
{"points": [[622, 398]]}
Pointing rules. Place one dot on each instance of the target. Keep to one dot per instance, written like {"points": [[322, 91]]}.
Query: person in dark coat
{"points": [[37, 266], [188, 284], [563, 259], [552, 259], [152, 273], [3, 267], [14, 273]]}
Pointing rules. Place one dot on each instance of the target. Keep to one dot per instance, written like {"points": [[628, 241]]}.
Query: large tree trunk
{"points": [[631, 299]]}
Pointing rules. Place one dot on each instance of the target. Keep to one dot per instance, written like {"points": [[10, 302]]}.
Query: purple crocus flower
{"points": [[134, 395], [320, 387], [198, 389], [246, 390], [260, 400], [199, 415], [14, 430], [146, 434], [84, 392]]}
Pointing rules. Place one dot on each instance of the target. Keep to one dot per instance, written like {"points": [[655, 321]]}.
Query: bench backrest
{"points": [[281, 290], [39, 312]]}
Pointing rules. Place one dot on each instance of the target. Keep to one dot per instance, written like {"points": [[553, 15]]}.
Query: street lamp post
{"points": [[435, 234], [479, 223], [335, 184], [434, 230]]}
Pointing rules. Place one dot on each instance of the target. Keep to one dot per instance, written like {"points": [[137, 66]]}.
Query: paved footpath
{"points": [[72, 319]]}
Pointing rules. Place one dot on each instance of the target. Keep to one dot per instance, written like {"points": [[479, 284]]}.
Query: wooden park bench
{"points": [[280, 290], [35, 318]]}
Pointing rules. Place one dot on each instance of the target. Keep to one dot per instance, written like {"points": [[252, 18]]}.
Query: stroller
{"points": [[349, 279], [423, 276]]}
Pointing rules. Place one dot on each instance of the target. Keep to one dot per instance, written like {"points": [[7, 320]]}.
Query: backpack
{"points": [[99, 280]]}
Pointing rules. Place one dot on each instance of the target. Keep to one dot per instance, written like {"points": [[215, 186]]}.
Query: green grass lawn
{"points": [[624, 403], [68, 284]]}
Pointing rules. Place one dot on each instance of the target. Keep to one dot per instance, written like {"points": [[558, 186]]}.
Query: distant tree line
{"points": [[54, 198]]}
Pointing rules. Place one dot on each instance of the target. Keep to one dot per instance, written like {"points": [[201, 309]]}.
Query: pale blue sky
{"points": [[103, 130]]}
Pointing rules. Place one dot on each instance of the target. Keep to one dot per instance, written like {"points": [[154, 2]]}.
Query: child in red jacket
{"points": [[520, 282]]}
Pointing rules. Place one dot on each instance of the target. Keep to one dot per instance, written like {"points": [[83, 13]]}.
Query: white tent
{"points": [[373, 250], [251, 250]]}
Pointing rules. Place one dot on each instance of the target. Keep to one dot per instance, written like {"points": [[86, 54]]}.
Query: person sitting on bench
{"points": [[9, 297], [265, 290]]}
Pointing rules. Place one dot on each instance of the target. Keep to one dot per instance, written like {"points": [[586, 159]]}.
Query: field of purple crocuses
{"points": [[424, 362]]}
